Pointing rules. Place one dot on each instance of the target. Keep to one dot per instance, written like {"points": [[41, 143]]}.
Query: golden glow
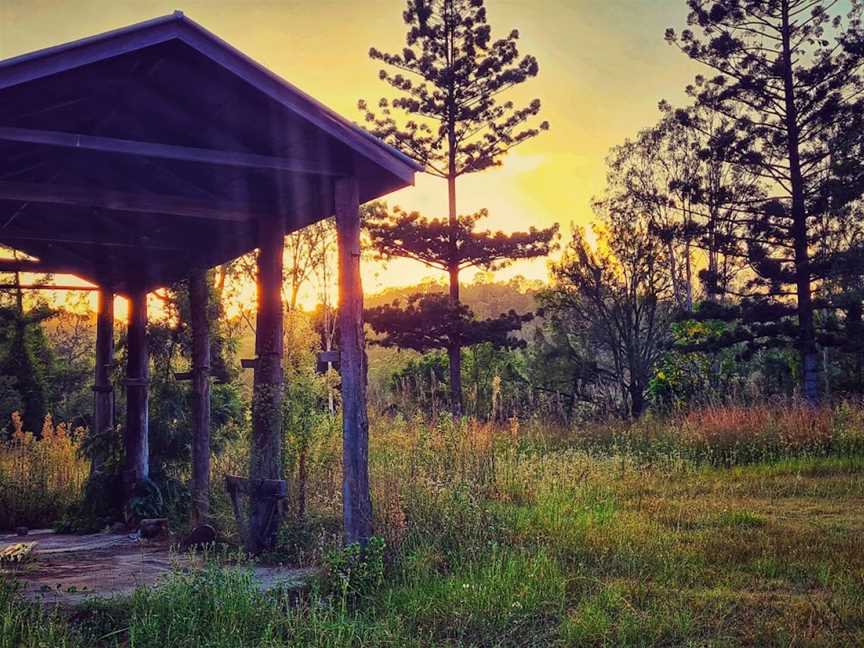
{"points": [[603, 68]]}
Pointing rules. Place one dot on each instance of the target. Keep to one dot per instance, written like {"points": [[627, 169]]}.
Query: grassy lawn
{"points": [[557, 549]]}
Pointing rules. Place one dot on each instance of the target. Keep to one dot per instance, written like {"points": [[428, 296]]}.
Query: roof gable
{"points": [[134, 38], [136, 155]]}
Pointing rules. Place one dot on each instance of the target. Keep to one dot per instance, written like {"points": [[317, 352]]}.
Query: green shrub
{"points": [[146, 501], [354, 572]]}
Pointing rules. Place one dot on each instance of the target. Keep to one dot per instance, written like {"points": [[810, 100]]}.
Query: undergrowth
{"points": [[520, 535], [40, 477]]}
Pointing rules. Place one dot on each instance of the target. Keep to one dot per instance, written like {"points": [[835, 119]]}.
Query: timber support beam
{"points": [[199, 300], [136, 437], [266, 452], [103, 390], [356, 499], [34, 266], [133, 148]]}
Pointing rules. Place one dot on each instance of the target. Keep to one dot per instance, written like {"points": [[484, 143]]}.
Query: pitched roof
{"points": [[134, 155], [59, 58]]}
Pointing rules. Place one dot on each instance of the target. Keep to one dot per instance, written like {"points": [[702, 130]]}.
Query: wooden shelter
{"points": [[148, 154]]}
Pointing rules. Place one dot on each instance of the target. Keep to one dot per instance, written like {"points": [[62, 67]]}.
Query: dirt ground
{"points": [[68, 569]]}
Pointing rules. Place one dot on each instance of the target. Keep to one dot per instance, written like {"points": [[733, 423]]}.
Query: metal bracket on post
{"points": [[135, 382], [328, 356]]}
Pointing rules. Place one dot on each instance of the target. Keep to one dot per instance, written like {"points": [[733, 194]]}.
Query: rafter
{"points": [[36, 267], [82, 266], [44, 286], [142, 244], [122, 201], [163, 151]]}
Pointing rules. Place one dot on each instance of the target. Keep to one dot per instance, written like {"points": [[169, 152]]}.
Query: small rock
{"points": [[117, 527], [201, 535], [22, 530]]}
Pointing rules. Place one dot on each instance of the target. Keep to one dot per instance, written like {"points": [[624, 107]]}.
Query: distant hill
{"points": [[485, 296]]}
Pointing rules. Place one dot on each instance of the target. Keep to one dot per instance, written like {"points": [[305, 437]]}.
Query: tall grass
{"points": [[415, 462], [40, 477], [729, 435], [424, 470], [25, 625], [722, 527]]}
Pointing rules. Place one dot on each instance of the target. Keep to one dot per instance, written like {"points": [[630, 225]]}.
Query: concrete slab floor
{"points": [[69, 569]]}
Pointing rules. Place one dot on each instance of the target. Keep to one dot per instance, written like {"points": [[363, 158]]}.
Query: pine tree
{"points": [[449, 77], [787, 76]]}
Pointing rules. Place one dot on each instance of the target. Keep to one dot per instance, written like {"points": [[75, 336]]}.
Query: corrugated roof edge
{"points": [[180, 17]]}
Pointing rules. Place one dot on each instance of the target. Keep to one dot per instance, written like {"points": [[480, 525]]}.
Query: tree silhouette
{"points": [[449, 78], [429, 322], [787, 77], [616, 301], [676, 175]]}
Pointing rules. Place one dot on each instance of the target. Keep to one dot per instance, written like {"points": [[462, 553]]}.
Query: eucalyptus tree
{"points": [[616, 297], [676, 175]]}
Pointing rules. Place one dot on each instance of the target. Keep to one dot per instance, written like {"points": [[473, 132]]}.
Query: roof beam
{"points": [[36, 267], [71, 239], [98, 198], [43, 286], [84, 267], [163, 151], [58, 59], [110, 269], [298, 102]]}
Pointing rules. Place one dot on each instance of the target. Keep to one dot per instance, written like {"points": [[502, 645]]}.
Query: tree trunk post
{"points": [[637, 400], [807, 348], [199, 297], [356, 499], [454, 350], [136, 440], [103, 390], [266, 451]]}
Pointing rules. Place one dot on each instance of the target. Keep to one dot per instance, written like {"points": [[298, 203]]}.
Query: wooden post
{"points": [[266, 451], [136, 440], [199, 294], [103, 391], [356, 500]]}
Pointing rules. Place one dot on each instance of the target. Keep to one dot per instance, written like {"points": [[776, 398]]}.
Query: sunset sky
{"points": [[603, 67]]}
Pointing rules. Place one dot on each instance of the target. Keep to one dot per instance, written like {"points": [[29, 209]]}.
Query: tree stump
{"points": [[199, 537], [265, 495], [154, 528]]}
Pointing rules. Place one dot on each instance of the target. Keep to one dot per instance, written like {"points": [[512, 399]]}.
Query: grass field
{"points": [[500, 536]]}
